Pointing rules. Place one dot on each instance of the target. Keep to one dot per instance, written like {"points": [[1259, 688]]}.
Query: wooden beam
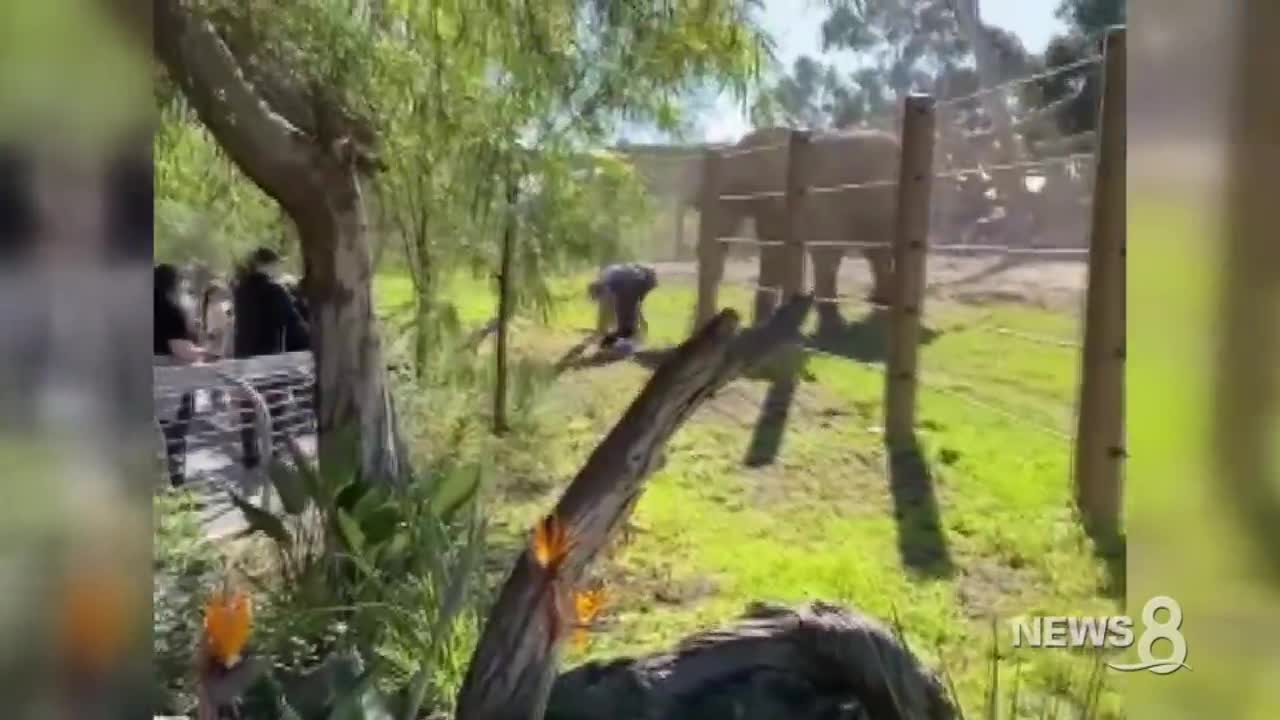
{"points": [[799, 149], [910, 250], [1099, 450]]}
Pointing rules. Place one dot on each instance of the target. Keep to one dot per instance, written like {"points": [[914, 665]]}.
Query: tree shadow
{"points": [[865, 340], [922, 542], [775, 410], [784, 372]]}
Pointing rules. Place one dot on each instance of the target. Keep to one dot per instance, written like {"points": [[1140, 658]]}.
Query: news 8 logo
{"points": [[1155, 630]]}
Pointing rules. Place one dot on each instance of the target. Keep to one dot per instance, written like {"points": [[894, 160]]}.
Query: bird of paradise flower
{"points": [[550, 546], [586, 608], [228, 619]]}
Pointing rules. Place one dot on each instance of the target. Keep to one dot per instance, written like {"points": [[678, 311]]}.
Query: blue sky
{"points": [[796, 29]]}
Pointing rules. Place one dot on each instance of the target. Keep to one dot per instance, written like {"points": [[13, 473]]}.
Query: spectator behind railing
{"points": [[267, 322], [174, 337]]}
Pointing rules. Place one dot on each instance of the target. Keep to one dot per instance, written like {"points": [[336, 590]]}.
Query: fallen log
{"points": [[515, 660], [817, 662]]}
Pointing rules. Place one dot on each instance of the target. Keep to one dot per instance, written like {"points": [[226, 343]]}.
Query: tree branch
{"points": [[272, 151], [515, 661]]}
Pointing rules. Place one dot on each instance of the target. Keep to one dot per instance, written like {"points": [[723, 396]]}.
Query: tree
{"points": [[1073, 95], [992, 51], [905, 46], [304, 149], [309, 99]]}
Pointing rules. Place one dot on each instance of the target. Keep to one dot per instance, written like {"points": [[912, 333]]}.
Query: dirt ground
{"points": [[1056, 284]]}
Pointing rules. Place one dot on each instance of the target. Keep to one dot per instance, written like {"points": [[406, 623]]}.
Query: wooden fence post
{"points": [[711, 251], [910, 250], [798, 149], [1099, 447]]}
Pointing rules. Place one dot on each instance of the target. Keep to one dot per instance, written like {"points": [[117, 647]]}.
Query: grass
{"points": [[799, 501]]}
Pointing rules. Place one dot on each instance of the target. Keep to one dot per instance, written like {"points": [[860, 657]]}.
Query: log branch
{"points": [[273, 152], [816, 661], [515, 661]]}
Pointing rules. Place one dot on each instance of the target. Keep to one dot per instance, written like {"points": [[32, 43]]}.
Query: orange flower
{"points": [[95, 617], [586, 607], [227, 617], [587, 604], [550, 543]]}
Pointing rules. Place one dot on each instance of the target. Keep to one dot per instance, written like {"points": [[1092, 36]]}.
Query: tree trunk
{"points": [[1009, 183], [504, 312], [351, 376], [316, 182]]}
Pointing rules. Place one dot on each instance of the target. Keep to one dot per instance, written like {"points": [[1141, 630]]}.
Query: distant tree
{"points": [[1074, 94], [906, 46]]}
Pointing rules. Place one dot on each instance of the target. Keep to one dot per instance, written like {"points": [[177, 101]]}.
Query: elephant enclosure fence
{"points": [[1055, 214]]}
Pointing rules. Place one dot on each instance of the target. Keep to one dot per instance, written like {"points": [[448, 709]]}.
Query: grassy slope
{"points": [[815, 517]]}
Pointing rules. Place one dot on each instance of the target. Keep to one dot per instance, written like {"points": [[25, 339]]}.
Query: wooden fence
{"points": [[1099, 438]]}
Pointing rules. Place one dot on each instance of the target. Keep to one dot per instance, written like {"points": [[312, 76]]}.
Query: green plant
{"points": [[366, 603], [185, 564]]}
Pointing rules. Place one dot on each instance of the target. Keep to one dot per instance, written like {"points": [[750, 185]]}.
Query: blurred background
{"points": [[76, 122], [1204, 290]]}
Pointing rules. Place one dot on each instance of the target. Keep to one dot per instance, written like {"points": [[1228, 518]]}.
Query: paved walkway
{"points": [[213, 468], [213, 460]]}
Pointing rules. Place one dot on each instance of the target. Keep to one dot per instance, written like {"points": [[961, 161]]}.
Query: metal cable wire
{"points": [[1033, 337], [1020, 164], [738, 152], [749, 241], [1008, 84], [852, 186], [978, 402], [752, 196], [1008, 250]]}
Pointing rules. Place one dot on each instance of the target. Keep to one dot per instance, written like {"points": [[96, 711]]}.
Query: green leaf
{"points": [[380, 524], [349, 495], [392, 554], [363, 702], [368, 501], [350, 532], [262, 521], [290, 485], [339, 455], [306, 467], [453, 490]]}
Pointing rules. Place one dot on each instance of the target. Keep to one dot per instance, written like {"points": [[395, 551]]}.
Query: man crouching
{"points": [[624, 286]]}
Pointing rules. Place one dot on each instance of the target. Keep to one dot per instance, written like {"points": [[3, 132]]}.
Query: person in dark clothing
{"points": [[267, 319], [173, 337], [267, 322], [625, 286]]}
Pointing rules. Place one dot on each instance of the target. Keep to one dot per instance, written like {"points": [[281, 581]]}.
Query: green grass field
{"points": [[798, 500]]}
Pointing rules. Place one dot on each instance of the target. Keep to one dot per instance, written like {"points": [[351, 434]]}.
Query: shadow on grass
{"points": [[865, 340], [922, 543], [784, 375]]}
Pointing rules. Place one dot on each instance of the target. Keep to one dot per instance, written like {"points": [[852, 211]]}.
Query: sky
{"points": [[795, 26]]}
